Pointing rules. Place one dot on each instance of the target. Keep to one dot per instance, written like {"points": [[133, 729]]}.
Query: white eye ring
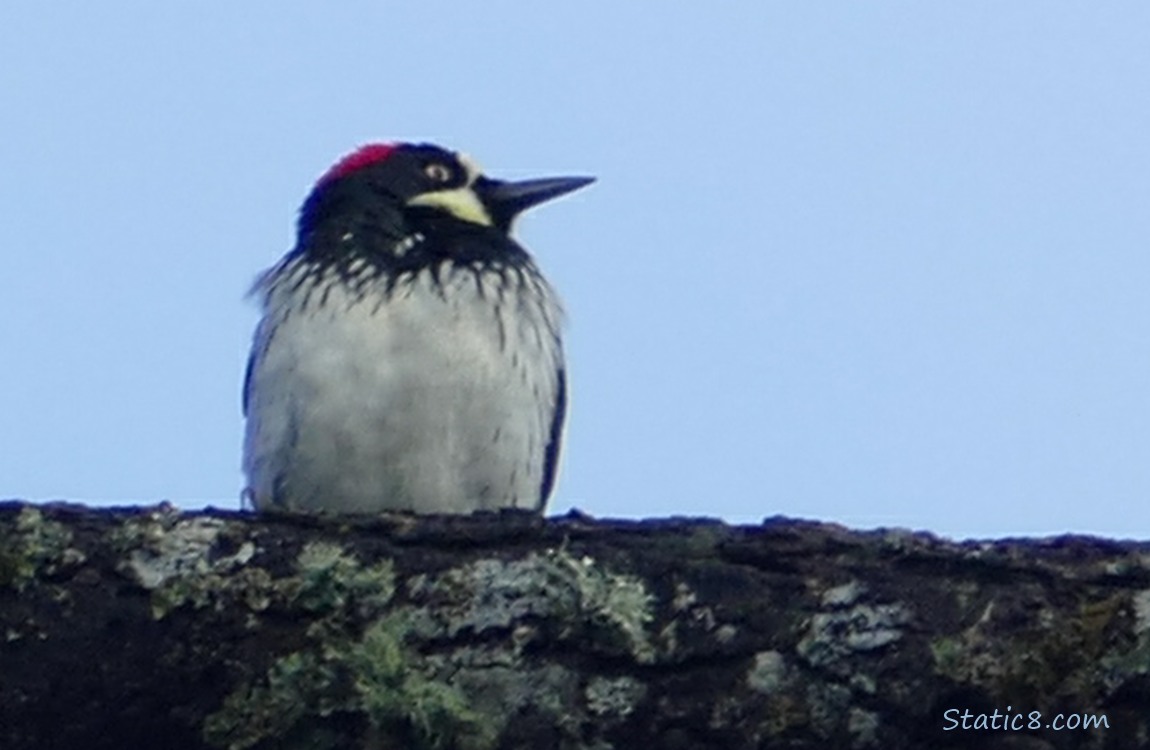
{"points": [[437, 172]]}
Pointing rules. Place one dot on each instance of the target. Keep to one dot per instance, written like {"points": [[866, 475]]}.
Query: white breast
{"points": [[435, 398]]}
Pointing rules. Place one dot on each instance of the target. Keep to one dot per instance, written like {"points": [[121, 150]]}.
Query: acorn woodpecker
{"points": [[408, 356]]}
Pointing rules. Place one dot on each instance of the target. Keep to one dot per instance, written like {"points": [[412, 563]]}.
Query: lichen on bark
{"points": [[227, 630]]}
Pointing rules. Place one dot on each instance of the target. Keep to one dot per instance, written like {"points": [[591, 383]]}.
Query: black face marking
{"points": [[433, 167], [360, 225]]}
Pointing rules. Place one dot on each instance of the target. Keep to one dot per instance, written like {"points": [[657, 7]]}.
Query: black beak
{"points": [[506, 200]]}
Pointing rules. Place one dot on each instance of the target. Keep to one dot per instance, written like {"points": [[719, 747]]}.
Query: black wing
{"points": [[259, 348], [246, 395], [551, 452]]}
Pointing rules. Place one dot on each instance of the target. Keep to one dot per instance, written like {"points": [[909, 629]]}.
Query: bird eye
{"points": [[437, 172]]}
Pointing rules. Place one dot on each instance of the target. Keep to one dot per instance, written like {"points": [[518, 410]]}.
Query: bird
{"points": [[409, 355]]}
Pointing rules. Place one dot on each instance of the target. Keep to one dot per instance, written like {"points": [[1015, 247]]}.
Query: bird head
{"points": [[424, 180]]}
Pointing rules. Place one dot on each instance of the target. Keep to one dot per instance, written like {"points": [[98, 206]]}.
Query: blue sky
{"points": [[877, 263]]}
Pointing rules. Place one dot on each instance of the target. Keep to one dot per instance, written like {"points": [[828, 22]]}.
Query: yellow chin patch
{"points": [[461, 202]]}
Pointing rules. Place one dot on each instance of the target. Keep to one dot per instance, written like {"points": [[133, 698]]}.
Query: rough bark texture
{"points": [[147, 627]]}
